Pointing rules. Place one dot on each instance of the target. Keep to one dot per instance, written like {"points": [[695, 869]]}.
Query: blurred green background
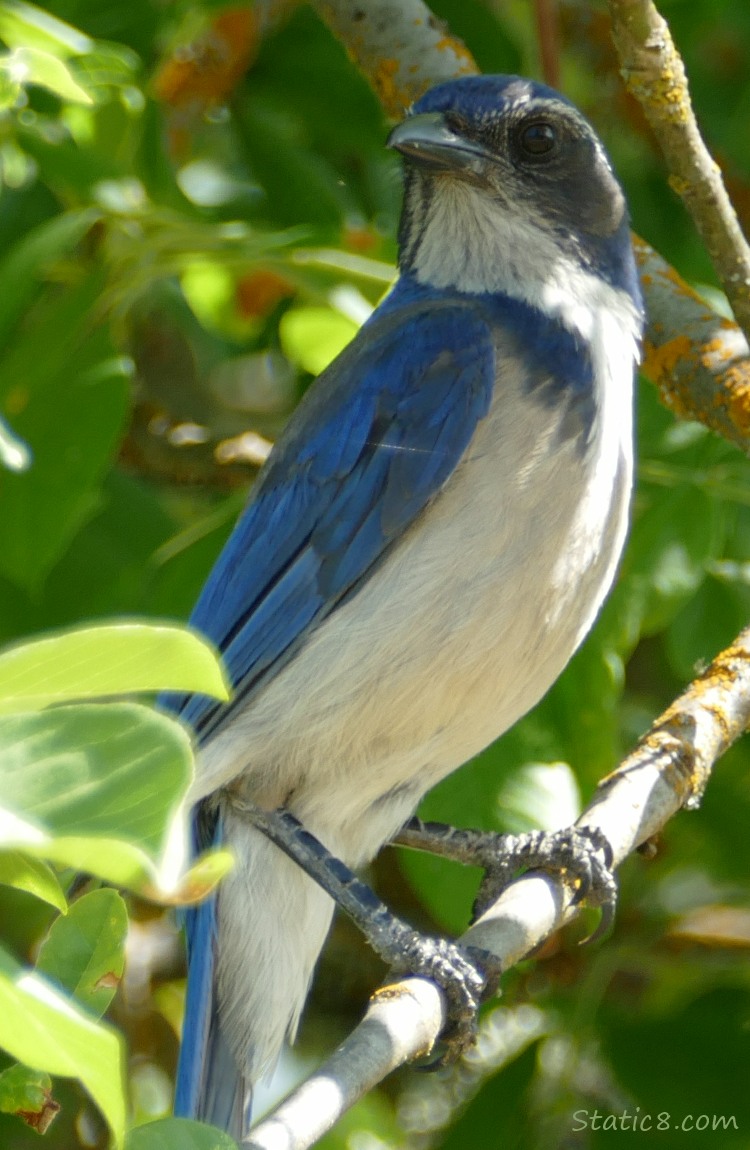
{"points": [[192, 223]]}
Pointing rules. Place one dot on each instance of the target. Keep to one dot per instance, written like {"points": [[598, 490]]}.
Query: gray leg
{"points": [[584, 852], [467, 975]]}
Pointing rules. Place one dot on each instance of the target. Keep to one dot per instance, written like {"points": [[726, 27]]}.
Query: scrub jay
{"points": [[426, 547]]}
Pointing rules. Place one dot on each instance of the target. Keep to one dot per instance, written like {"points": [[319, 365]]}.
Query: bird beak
{"points": [[427, 140]]}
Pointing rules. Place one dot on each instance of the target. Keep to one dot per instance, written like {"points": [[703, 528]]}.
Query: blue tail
{"points": [[210, 1086]]}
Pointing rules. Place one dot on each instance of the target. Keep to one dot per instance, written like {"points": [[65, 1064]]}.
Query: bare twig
{"points": [[667, 770], [548, 35], [653, 71]]}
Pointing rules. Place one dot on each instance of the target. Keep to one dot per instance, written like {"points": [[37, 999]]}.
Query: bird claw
{"points": [[466, 975], [583, 853]]}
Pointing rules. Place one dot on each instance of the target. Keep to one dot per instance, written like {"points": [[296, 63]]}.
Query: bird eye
{"points": [[537, 139]]}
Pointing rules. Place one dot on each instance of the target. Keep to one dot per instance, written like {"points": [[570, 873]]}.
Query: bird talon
{"points": [[582, 854], [464, 974]]}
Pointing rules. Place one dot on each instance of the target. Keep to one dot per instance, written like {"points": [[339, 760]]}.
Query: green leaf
{"points": [[24, 872], [23, 25], [27, 1093], [105, 66], [503, 1105], [98, 788], [44, 1029], [35, 66], [314, 336], [84, 952], [674, 537], [68, 394], [92, 662], [543, 795], [203, 876], [29, 259], [178, 1134]]}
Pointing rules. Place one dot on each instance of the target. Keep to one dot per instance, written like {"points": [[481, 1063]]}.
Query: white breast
{"points": [[461, 630]]}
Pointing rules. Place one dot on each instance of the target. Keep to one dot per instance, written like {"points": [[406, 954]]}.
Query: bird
{"points": [[427, 545]]}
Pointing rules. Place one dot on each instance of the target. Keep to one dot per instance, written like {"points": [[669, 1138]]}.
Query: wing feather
{"points": [[372, 443]]}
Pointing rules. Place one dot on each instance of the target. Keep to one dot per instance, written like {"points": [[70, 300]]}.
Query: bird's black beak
{"points": [[427, 139]]}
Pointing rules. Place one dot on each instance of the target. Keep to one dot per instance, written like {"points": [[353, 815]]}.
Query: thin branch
{"points": [[667, 770], [699, 362], [653, 71], [547, 19]]}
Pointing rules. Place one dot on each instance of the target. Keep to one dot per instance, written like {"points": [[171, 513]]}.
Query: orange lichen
{"points": [[737, 403], [384, 81], [206, 71], [258, 294], [659, 362], [714, 349], [450, 44]]}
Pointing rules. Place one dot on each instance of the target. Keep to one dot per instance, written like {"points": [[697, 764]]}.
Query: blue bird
{"points": [[426, 547]]}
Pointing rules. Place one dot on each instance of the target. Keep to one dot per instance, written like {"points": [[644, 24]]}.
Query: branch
{"points": [[653, 71], [698, 361], [399, 45], [667, 770], [547, 18]]}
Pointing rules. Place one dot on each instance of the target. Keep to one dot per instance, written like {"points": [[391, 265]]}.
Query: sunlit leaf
{"points": [[97, 788], [314, 336], [84, 951], [42, 1028], [24, 25], [35, 66], [27, 1093], [93, 662], [24, 872]]}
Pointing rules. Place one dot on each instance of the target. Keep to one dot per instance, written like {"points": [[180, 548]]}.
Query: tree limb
{"points": [[399, 45], [697, 359], [667, 770], [653, 71]]}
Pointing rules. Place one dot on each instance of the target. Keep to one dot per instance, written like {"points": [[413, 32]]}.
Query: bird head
{"points": [[508, 188]]}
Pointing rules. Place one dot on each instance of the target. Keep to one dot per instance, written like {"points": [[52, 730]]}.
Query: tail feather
{"points": [[251, 948], [210, 1087]]}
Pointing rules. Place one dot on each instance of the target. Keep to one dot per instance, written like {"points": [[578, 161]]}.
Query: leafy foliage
{"points": [[192, 222]]}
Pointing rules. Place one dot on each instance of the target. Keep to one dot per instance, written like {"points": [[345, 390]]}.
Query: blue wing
{"points": [[372, 442]]}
